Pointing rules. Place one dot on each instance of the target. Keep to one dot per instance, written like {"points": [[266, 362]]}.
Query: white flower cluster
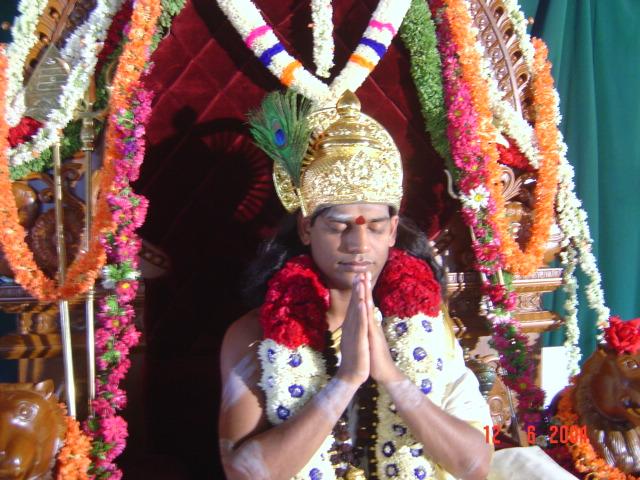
{"points": [[520, 26], [477, 198], [246, 18], [323, 45], [418, 349], [23, 39], [81, 52]]}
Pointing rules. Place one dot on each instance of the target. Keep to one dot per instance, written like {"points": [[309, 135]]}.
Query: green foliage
{"points": [[170, 8], [419, 36], [281, 129]]}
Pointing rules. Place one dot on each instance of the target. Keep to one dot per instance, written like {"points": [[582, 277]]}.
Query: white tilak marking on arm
{"points": [[405, 394], [237, 383], [335, 397], [245, 463]]}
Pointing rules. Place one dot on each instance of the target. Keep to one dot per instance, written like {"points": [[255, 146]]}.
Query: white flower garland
{"points": [[572, 220], [260, 38], [569, 262], [23, 39], [81, 52], [520, 27], [291, 377], [323, 45]]}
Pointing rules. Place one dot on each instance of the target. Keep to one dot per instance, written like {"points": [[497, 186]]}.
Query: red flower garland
{"points": [[296, 304]]}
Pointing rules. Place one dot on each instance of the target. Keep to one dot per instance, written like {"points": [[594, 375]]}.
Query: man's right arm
{"points": [[250, 448]]}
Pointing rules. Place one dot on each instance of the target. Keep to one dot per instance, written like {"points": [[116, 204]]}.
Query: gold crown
{"points": [[351, 159]]}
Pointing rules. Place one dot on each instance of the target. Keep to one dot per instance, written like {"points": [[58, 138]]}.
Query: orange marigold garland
{"points": [[585, 458], [84, 270], [73, 458], [545, 100]]}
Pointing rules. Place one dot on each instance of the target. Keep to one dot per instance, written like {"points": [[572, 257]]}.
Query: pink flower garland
{"points": [[118, 334], [507, 338]]}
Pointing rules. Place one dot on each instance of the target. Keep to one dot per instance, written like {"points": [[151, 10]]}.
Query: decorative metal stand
{"points": [[65, 320], [87, 135]]}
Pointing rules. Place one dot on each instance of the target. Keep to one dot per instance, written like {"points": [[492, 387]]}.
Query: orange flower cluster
{"points": [[516, 260], [585, 458], [83, 272], [73, 458]]}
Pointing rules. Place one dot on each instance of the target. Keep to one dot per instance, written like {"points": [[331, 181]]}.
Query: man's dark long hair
{"points": [[286, 244]]}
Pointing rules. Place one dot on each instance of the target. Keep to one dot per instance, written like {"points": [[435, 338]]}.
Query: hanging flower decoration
{"points": [[323, 45], [261, 39], [85, 268], [477, 206], [117, 334], [80, 52], [23, 39], [114, 35], [418, 34], [546, 104]]}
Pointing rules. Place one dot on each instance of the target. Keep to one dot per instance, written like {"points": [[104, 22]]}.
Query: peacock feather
{"points": [[281, 129]]}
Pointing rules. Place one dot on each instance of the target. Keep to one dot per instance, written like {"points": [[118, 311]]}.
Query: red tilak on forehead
{"points": [[360, 220]]}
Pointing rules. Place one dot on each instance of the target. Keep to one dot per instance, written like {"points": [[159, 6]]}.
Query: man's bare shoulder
{"points": [[242, 336]]}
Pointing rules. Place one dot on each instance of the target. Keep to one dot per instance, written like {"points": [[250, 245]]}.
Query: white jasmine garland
{"points": [[570, 286], [572, 220], [81, 52], [323, 45], [292, 377], [520, 27], [24, 38], [246, 18]]}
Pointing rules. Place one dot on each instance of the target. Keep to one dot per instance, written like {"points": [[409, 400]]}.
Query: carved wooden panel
{"points": [[59, 19], [497, 35]]}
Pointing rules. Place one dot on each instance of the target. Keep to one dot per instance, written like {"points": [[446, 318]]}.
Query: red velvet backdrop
{"points": [[212, 199]]}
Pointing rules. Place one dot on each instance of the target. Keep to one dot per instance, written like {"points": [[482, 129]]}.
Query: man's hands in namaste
{"points": [[363, 346]]}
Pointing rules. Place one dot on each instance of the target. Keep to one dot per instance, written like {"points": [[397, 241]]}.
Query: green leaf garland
{"points": [[418, 33]]}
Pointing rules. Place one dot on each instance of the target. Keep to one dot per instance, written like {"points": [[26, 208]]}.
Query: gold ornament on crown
{"points": [[351, 159]]}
